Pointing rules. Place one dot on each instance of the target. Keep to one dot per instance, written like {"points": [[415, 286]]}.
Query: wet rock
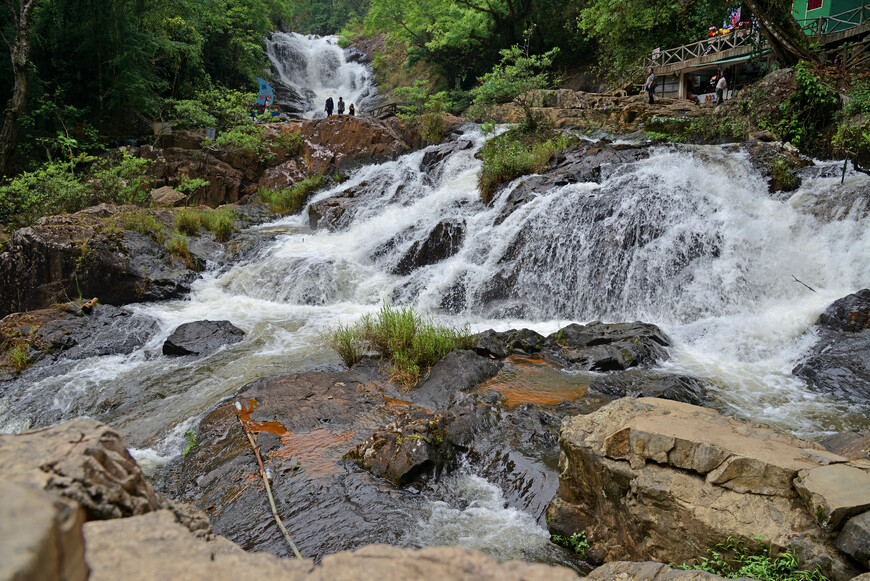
{"points": [[610, 346], [330, 213], [642, 383], [491, 344], [577, 164], [201, 337], [643, 475], [777, 162], [839, 363], [851, 445], [854, 539], [343, 143], [458, 371], [443, 241], [433, 160], [42, 536], [406, 450]]}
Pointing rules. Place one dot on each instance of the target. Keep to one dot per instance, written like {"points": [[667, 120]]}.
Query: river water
{"points": [[688, 239]]}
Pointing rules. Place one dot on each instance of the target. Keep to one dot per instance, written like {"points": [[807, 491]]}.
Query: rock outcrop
{"points": [[201, 337], [662, 480], [839, 363]]}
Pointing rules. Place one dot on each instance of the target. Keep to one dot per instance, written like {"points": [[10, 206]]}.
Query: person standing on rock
{"points": [[328, 107], [721, 89], [341, 105], [351, 111], [650, 86]]}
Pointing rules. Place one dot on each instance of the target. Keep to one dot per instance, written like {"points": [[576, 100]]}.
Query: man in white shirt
{"points": [[721, 89]]}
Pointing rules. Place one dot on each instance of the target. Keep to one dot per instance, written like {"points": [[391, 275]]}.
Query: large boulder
{"points": [[662, 480], [443, 241], [201, 337], [839, 363], [645, 383], [225, 182]]}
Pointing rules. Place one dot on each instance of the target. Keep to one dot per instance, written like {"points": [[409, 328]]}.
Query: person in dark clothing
{"points": [[341, 105], [351, 111], [650, 86], [328, 107]]}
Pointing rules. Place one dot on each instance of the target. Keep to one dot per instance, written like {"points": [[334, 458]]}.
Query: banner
{"points": [[265, 92]]}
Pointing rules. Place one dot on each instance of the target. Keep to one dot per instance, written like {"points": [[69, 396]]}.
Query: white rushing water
{"points": [[308, 69]]}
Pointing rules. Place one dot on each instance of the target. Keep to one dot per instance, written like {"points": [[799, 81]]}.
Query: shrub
{"points": [[510, 155], [290, 200], [126, 182], [248, 138], [577, 542], [809, 108], [53, 188], [410, 341]]}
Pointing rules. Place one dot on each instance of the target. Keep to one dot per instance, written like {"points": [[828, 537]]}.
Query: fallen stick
{"points": [[803, 283], [269, 490]]}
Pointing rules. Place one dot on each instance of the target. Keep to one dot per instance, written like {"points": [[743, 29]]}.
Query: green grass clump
{"points": [[17, 356], [290, 200], [408, 340], [190, 438], [177, 246], [516, 153], [142, 222], [221, 222], [732, 559]]}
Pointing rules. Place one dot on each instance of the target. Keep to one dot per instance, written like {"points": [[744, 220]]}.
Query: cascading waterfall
{"points": [[688, 239], [308, 69]]}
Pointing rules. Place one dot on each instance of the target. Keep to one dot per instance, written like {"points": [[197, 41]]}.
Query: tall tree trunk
{"points": [[19, 50], [786, 39]]}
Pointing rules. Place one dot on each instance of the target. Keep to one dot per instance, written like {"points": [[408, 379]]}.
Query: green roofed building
{"points": [[806, 9]]}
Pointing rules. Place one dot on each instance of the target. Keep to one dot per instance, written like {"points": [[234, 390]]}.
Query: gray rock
{"points": [[610, 346], [643, 383], [443, 241], [834, 493], [457, 371], [201, 337], [42, 536], [854, 539]]}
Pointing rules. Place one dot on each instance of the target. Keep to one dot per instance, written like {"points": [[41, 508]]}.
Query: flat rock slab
{"points": [[42, 536], [834, 493], [647, 571], [201, 337]]}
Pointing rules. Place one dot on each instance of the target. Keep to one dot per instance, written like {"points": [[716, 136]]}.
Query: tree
{"points": [[514, 78], [787, 41], [19, 51]]}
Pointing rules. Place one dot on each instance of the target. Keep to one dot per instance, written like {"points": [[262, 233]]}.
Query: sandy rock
{"points": [[642, 476], [41, 536], [167, 196], [834, 493], [648, 571]]}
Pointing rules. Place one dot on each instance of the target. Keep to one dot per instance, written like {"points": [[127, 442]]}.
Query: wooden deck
{"points": [[853, 25]]}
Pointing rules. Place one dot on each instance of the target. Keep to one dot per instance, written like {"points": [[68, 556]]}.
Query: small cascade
{"points": [[308, 69]]}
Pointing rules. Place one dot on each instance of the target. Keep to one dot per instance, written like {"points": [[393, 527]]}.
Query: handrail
{"points": [[816, 26]]}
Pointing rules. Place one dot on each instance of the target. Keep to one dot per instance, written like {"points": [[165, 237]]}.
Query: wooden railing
{"points": [[746, 37]]}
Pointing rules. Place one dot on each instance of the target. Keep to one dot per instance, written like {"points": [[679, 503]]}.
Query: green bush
{"points": [[513, 154], [290, 200], [250, 139], [53, 188], [411, 342], [177, 246], [126, 182], [732, 559], [577, 542], [142, 222], [808, 110]]}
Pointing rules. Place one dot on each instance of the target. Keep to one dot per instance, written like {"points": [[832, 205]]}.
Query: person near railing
{"points": [[650, 85], [721, 89]]}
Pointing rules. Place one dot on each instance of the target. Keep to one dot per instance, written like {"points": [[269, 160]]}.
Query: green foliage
{"points": [[421, 110], [190, 438], [518, 73], [250, 139], [177, 246], [51, 189], [410, 341], [17, 357], [126, 182], [290, 200], [808, 110], [857, 100], [513, 154], [290, 142], [733, 559], [783, 178], [577, 542]]}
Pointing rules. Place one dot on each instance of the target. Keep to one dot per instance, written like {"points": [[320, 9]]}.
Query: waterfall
{"points": [[308, 69]]}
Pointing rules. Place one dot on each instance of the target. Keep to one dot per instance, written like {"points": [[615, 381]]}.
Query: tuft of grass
{"points": [[732, 559], [290, 200], [17, 356], [142, 222], [221, 222], [177, 246], [408, 340]]}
